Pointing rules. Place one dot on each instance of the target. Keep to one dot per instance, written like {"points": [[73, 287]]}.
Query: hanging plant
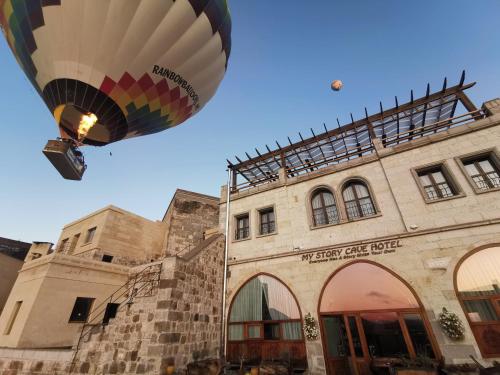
{"points": [[310, 327], [451, 325]]}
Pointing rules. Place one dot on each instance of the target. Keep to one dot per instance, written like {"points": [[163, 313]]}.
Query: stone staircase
{"points": [[176, 321]]}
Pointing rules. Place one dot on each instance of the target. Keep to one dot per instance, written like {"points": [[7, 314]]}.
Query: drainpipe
{"points": [[226, 248]]}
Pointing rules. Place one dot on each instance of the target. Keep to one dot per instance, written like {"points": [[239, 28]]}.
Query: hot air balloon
{"points": [[109, 70], [337, 85]]}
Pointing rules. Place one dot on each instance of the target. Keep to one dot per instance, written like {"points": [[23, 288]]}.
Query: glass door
{"points": [[337, 345], [360, 359]]}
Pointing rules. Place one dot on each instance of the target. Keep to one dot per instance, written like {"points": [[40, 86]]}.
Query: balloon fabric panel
{"points": [[141, 66]]}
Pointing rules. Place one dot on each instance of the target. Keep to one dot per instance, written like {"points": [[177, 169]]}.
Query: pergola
{"points": [[420, 117]]}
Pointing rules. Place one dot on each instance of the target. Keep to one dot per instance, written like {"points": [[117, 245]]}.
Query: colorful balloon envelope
{"points": [[115, 69]]}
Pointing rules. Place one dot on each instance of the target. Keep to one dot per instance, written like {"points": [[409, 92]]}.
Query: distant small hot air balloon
{"points": [[337, 85], [109, 70]]}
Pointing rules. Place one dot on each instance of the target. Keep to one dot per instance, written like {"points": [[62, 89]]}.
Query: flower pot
{"points": [[254, 371], [170, 370]]}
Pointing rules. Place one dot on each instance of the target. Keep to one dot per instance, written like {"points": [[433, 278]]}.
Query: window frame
{"points": [[247, 323], [311, 209], [236, 218], [13, 317], [91, 300], [492, 154], [448, 176], [90, 235], [62, 245], [74, 242], [107, 256], [472, 324], [260, 211], [358, 180]]}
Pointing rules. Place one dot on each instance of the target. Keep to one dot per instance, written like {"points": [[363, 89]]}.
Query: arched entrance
{"points": [[477, 283], [265, 323], [368, 316]]}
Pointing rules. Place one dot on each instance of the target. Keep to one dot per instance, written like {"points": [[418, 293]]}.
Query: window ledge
{"points": [[378, 214], [344, 221], [478, 191], [241, 239], [431, 201], [267, 234], [314, 227]]}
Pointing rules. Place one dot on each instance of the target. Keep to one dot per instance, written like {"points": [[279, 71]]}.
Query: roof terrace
{"points": [[433, 113]]}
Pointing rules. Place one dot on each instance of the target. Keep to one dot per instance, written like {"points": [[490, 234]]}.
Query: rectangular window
{"points": [[110, 313], [74, 241], [271, 331], [242, 227], [107, 258], [64, 245], [81, 310], [235, 332], [254, 332], [13, 317], [292, 330], [384, 335], [480, 310], [90, 235], [435, 183], [483, 171], [267, 222], [418, 335]]}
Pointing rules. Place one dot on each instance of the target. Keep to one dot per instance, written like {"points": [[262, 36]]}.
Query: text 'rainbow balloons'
{"points": [[133, 67]]}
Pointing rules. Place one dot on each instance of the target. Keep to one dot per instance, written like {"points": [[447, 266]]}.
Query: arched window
{"points": [[264, 322], [478, 288], [357, 199], [366, 313], [324, 209]]}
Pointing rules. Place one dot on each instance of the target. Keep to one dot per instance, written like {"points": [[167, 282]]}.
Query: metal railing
{"points": [[141, 284], [353, 152]]}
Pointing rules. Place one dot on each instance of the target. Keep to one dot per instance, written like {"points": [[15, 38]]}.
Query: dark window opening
{"points": [[107, 258], [90, 235], [271, 331], [435, 183], [13, 317], [484, 172], [110, 313], [242, 227], [267, 221], [81, 310], [74, 241]]}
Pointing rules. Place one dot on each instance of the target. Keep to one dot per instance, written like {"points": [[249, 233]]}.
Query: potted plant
{"points": [[416, 366]]}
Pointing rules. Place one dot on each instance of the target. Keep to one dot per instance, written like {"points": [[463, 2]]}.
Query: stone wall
{"points": [[188, 217], [177, 325], [36, 362], [9, 267]]}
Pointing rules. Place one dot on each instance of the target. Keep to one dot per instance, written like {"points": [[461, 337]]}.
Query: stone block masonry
{"points": [[178, 324]]}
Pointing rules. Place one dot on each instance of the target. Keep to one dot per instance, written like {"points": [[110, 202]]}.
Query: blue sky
{"points": [[285, 53]]}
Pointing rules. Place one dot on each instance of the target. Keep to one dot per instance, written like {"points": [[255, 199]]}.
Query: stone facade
{"points": [[177, 325], [188, 217], [429, 238], [176, 321], [9, 267]]}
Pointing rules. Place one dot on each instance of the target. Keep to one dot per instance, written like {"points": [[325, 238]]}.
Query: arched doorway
{"points": [[477, 283], [368, 316], [265, 323]]}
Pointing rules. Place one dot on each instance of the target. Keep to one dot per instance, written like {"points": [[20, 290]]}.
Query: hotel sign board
{"points": [[353, 252]]}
